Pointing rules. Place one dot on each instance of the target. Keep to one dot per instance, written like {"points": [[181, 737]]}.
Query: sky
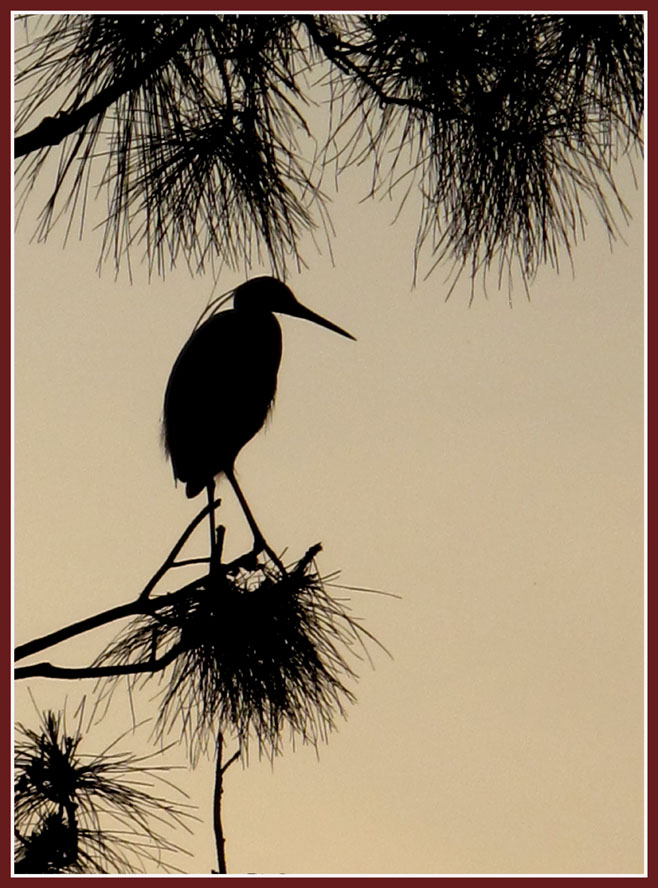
{"points": [[480, 463]]}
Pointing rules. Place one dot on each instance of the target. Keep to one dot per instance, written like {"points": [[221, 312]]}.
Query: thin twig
{"points": [[188, 561], [220, 840], [220, 770], [169, 561], [234, 758]]}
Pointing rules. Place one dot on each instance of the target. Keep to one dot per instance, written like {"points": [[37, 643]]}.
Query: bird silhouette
{"points": [[222, 386]]}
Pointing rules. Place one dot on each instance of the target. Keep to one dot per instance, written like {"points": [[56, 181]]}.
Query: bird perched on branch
{"points": [[222, 386]]}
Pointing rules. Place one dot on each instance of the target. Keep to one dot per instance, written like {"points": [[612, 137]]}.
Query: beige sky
{"points": [[483, 463]]}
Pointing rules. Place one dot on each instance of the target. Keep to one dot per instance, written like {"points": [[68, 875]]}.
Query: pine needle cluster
{"points": [[506, 129], [257, 653], [509, 126], [82, 813]]}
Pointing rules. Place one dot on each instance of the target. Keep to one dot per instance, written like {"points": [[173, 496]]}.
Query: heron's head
{"points": [[269, 294]]}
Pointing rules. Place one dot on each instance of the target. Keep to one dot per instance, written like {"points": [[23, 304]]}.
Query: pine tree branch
{"points": [[142, 605], [47, 670], [53, 130], [78, 628], [338, 52]]}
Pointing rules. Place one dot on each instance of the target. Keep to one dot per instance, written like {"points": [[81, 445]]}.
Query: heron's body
{"points": [[222, 386], [219, 393]]}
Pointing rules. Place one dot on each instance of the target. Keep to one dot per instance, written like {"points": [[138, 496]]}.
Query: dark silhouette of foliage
{"points": [[257, 652], [77, 813], [507, 121], [244, 652], [202, 128]]}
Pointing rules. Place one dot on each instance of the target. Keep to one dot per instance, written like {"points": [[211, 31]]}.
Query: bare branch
{"points": [[78, 628], [169, 562], [142, 605], [47, 670]]}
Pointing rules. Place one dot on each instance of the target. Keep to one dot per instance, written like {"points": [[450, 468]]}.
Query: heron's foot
{"points": [[261, 545], [248, 561]]}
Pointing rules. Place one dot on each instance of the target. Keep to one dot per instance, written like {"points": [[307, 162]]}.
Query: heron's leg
{"points": [[260, 542]]}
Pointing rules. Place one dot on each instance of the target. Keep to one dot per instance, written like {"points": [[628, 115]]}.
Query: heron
{"points": [[222, 387]]}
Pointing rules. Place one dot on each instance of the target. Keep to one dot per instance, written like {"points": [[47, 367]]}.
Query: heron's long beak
{"points": [[300, 311]]}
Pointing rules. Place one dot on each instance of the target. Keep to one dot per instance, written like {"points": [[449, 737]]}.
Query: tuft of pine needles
{"points": [[82, 813], [191, 123], [259, 652], [506, 129], [508, 126]]}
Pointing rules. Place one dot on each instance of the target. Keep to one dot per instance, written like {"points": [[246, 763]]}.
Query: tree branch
{"points": [[53, 130], [101, 619], [142, 605], [47, 670], [329, 46]]}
